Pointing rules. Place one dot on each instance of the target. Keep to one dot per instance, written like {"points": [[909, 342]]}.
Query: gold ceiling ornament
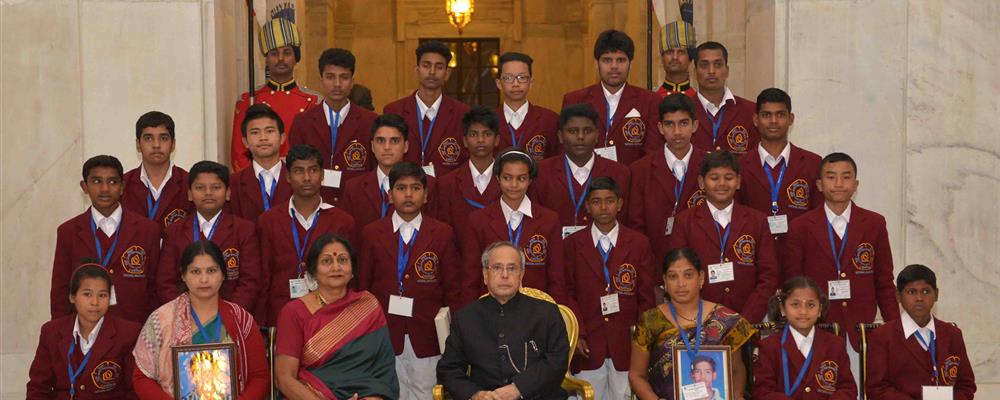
{"points": [[459, 12]]}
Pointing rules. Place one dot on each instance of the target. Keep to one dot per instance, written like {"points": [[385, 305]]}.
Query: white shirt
{"points": [[206, 226], [340, 116], [514, 217], [306, 221], [383, 179], [712, 108], [155, 191], [839, 222], [910, 326], [611, 238], [429, 112], [515, 118], [613, 99], [721, 216], [481, 179], [86, 342], [804, 343], [581, 173], [677, 166], [766, 158], [404, 228], [108, 224], [268, 175]]}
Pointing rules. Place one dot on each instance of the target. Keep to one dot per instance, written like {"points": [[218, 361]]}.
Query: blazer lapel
{"points": [[818, 232], [756, 170], [795, 357], [705, 222], [105, 340], [224, 230], [922, 357], [497, 221], [250, 187]]}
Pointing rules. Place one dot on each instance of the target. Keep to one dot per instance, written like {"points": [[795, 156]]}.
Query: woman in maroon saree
{"points": [[333, 343]]}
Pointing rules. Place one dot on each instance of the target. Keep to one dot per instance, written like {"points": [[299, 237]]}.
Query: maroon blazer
{"points": [[633, 137], [457, 196], [431, 279], [541, 242], [108, 374], [651, 196], [866, 262], [632, 275], [536, 135], [750, 248], [174, 203], [551, 191], [898, 367], [279, 262], [444, 146], [828, 376], [245, 197], [354, 138], [736, 131], [236, 237], [797, 192], [132, 265], [362, 200]]}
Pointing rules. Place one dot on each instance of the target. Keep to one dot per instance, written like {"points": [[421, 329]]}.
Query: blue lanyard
{"points": [[384, 202], [607, 127], [403, 255], [843, 243], [683, 334], [789, 389], [604, 263], [105, 257], [775, 186], [265, 194], [931, 349], [211, 232], [152, 206], [300, 247], [334, 127], [202, 331], [510, 233], [576, 203], [716, 122], [515, 141], [723, 239], [474, 204], [420, 125], [74, 373], [678, 190]]}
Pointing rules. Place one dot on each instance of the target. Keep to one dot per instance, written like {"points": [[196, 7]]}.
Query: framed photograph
{"points": [[705, 376], [205, 371]]}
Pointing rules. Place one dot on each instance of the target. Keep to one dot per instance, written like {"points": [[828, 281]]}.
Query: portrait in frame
{"points": [[205, 371], [708, 373]]}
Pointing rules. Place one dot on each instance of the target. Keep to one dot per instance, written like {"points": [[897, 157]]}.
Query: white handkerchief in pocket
{"points": [[633, 114]]}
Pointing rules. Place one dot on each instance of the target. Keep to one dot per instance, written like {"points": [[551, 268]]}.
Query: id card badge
{"points": [[721, 272], [331, 178], [938, 393], [399, 305], [839, 290], [569, 230], [114, 297], [670, 226], [297, 288], [429, 170], [609, 304], [695, 391], [777, 224], [610, 152]]}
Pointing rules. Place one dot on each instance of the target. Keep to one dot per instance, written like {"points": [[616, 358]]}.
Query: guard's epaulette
{"points": [[310, 92]]}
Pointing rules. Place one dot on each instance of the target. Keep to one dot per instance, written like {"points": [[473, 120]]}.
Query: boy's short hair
{"points": [[208, 167], [514, 56], [702, 359], [677, 102], [480, 115], [774, 95], [259, 111], [711, 46], [603, 183], [154, 119], [434, 46], [915, 273], [301, 152], [405, 169], [720, 159], [361, 96], [837, 157], [392, 121], [578, 110], [337, 56], [102, 160], [514, 154], [613, 40]]}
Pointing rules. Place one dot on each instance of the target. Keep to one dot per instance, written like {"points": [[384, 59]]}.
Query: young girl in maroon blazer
{"points": [[88, 354], [802, 362]]}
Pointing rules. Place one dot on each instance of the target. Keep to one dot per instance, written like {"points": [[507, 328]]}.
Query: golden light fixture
{"points": [[459, 12]]}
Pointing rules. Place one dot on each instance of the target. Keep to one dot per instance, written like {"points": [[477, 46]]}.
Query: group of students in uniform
{"points": [[596, 196]]}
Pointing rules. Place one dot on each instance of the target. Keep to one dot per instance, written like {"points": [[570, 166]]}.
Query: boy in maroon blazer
{"points": [[126, 243], [471, 186], [731, 238], [434, 117], [917, 353], [235, 236], [666, 182], [289, 228], [526, 126], [366, 197], [563, 180], [254, 190], [410, 263], [339, 122], [610, 279], [725, 121], [845, 248], [157, 187], [517, 219], [627, 128]]}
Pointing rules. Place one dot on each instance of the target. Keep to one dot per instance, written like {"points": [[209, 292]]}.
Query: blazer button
{"points": [[407, 276], [605, 319], [611, 142], [501, 335], [843, 274], [336, 167], [727, 290], [808, 389], [844, 304], [82, 387], [718, 147], [301, 109], [272, 92]]}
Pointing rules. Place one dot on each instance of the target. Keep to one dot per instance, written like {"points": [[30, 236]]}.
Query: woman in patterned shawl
{"points": [[656, 334]]}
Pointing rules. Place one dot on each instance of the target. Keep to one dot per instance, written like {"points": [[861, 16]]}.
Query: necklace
{"points": [[322, 301], [686, 318]]}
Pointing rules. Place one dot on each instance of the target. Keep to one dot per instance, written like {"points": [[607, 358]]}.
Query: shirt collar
{"points": [[521, 112], [727, 211], [708, 106], [342, 113], [398, 221], [803, 343], [306, 222], [476, 173], [281, 86], [766, 158], [275, 170], [671, 158], [830, 215], [434, 108], [116, 215], [524, 208], [202, 222], [910, 326], [166, 178], [596, 234], [381, 177], [588, 166], [612, 98], [86, 342]]}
